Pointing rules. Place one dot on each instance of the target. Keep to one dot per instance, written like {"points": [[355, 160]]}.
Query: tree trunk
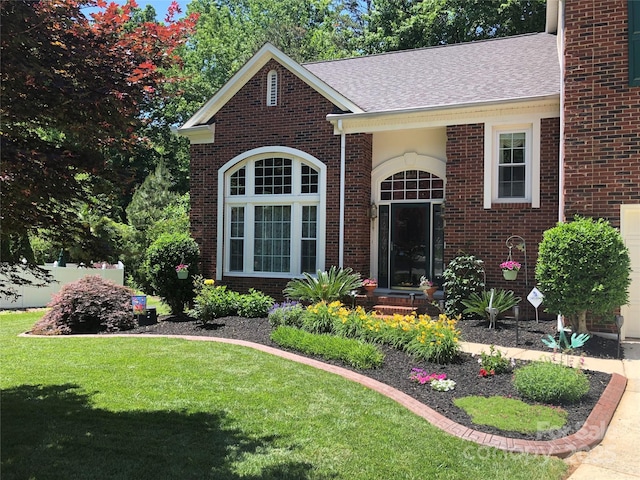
{"points": [[582, 322]]}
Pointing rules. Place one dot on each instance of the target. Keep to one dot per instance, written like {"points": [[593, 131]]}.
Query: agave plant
{"points": [[478, 303], [325, 286]]}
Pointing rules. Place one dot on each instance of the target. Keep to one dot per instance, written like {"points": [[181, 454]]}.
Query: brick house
{"points": [[392, 164]]}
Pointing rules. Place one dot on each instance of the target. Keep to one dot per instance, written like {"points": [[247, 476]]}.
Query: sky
{"points": [[161, 7]]}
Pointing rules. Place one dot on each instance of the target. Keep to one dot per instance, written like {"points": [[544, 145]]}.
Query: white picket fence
{"points": [[34, 297]]}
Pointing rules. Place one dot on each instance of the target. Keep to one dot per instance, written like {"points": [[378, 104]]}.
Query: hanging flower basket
{"points": [[183, 271], [510, 269], [510, 274]]}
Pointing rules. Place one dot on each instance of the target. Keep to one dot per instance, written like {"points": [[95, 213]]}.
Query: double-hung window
{"points": [[512, 164], [272, 211]]}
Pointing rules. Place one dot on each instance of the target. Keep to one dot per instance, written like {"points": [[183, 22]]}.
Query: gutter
{"points": [[428, 109], [561, 199]]}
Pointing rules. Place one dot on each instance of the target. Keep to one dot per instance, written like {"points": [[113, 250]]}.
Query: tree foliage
{"points": [[405, 24], [583, 266], [73, 91]]}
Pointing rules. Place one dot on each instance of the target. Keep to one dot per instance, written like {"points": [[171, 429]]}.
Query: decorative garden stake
{"points": [[493, 312], [535, 298]]}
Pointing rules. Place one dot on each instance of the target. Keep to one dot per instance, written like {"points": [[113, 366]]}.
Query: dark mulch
{"points": [[397, 366]]}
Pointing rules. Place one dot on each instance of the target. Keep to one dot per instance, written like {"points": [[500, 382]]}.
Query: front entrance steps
{"points": [[403, 303]]}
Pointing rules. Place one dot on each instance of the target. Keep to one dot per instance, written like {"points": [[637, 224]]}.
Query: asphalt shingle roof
{"points": [[508, 68]]}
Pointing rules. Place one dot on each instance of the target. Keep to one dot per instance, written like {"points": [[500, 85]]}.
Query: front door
{"points": [[411, 244]]}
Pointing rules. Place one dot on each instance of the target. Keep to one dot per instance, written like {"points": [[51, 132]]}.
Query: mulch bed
{"points": [[397, 365]]}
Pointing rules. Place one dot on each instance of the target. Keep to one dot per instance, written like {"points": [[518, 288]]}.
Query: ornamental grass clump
{"points": [[356, 353], [549, 382]]}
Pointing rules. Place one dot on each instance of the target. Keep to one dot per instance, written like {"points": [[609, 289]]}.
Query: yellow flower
{"points": [[209, 281]]}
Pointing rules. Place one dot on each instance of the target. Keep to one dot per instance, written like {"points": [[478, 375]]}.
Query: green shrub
{"points": [[161, 259], [287, 313], [354, 352], [255, 304], [329, 286], [477, 303], [493, 362], [583, 266], [463, 276], [213, 302], [89, 305], [550, 383]]}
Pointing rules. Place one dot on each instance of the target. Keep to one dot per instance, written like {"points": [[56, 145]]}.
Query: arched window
{"points": [[272, 88], [273, 211], [412, 185]]}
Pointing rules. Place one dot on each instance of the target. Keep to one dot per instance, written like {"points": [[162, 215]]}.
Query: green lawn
{"points": [[143, 408]]}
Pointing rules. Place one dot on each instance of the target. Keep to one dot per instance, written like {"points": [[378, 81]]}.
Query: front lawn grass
{"points": [[512, 415], [154, 408]]}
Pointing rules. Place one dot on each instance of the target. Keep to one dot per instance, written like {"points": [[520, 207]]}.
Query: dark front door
{"points": [[410, 241]]}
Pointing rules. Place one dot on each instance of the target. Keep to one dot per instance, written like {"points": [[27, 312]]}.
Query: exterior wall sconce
{"points": [[373, 211]]}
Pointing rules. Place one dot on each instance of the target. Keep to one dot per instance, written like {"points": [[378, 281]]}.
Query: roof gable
{"points": [[252, 67]]}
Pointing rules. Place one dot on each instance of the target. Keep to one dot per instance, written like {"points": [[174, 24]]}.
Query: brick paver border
{"points": [[591, 433]]}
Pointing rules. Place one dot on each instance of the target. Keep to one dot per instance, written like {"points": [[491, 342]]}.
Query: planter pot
{"points": [[429, 292], [510, 274], [370, 289], [183, 274]]}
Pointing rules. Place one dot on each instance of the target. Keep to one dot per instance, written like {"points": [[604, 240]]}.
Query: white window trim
{"points": [[272, 88], [492, 133], [225, 201]]}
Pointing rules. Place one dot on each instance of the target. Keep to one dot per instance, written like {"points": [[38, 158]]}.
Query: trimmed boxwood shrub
{"points": [[549, 382], [89, 305]]}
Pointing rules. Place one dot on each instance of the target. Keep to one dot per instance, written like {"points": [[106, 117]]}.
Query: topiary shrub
{"points": [[463, 276], [89, 305], [583, 266], [161, 259], [550, 383]]}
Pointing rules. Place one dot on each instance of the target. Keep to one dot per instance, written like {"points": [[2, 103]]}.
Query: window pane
{"points": [[238, 182], [236, 243], [309, 180], [273, 176], [272, 243], [309, 240], [511, 182]]}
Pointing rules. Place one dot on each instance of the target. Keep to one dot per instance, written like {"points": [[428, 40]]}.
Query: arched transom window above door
{"points": [[412, 185]]}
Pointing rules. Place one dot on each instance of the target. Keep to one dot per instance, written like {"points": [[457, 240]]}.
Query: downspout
{"points": [[343, 142], [561, 47]]}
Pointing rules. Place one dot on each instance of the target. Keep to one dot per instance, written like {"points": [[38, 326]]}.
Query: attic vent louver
{"points": [[272, 88]]}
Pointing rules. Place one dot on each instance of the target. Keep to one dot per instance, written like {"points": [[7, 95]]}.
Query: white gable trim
{"points": [[251, 68]]}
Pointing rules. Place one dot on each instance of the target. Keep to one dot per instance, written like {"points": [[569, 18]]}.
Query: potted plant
{"points": [[370, 284], [428, 287], [510, 269], [183, 271]]}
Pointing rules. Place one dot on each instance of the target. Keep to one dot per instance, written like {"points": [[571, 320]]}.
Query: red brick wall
{"points": [[471, 229], [298, 121], [602, 113]]}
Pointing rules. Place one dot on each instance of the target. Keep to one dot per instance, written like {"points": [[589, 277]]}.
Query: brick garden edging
{"points": [[591, 433]]}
